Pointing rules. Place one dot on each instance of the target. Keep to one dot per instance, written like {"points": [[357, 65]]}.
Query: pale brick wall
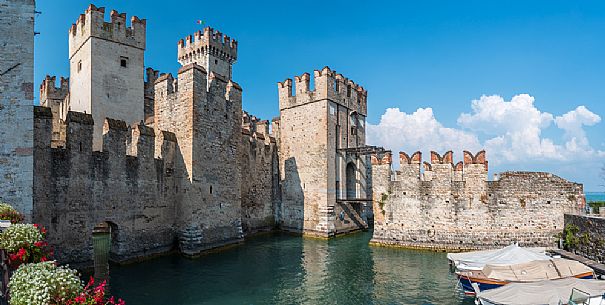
{"points": [[16, 103]]}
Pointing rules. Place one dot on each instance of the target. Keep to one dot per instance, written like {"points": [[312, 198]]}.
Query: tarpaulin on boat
{"points": [[509, 255], [555, 268], [542, 292]]}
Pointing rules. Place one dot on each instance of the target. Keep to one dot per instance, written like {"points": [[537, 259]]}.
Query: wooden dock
{"points": [[598, 268]]}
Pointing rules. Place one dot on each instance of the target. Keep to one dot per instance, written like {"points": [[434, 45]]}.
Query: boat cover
{"points": [[509, 255], [542, 292], [555, 268]]}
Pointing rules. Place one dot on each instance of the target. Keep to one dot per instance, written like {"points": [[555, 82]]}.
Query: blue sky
{"points": [[412, 55]]}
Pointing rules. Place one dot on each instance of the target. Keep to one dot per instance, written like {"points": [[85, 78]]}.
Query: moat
{"points": [[284, 269]]}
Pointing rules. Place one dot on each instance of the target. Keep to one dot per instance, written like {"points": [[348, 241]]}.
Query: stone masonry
{"points": [[195, 174], [323, 182], [443, 206], [174, 163], [16, 103], [590, 237], [106, 61]]}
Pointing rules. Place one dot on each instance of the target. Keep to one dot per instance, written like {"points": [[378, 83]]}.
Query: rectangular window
{"points": [[123, 61], [79, 66]]}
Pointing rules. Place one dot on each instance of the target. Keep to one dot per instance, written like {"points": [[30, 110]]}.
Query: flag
{"points": [[200, 22]]}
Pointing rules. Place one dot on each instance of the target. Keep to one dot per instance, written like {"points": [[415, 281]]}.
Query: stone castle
{"points": [[173, 162]]}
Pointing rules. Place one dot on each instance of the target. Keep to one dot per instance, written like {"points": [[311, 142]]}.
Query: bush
{"points": [[24, 243], [7, 212], [43, 284], [570, 240]]}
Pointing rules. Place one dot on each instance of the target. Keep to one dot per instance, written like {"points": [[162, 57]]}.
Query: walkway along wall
{"points": [[453, 207]]}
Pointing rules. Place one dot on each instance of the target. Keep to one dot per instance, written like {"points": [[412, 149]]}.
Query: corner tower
{"points": [[322, 165], [210, 49], [106, 62]]}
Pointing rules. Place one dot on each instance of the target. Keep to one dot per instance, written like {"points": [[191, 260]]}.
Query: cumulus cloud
{"points": [[572, 123], [420, 130], [510, 131]]}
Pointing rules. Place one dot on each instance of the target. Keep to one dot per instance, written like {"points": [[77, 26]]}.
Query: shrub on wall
{"points": [[7, 212], [24, 243]]}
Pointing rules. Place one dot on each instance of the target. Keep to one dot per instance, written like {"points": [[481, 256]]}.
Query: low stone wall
{"points": [[446, 211], [590, 236]]}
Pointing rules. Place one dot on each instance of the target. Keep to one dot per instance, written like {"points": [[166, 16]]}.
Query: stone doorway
{"points": [[351, 181], [103, 236]]}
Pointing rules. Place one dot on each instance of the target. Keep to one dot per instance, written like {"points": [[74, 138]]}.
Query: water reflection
{"points": [[284, 269]]}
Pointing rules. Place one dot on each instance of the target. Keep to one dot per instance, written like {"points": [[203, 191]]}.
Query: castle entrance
{"points": [[102, 236], [351, 181]]}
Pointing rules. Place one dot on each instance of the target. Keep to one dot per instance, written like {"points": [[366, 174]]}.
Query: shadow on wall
{"points": [[293, 198]]}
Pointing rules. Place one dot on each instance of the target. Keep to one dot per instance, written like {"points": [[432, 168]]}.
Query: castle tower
{"points": [[57, 99], [106, 62], [323, 175], [204, 111], [210, 49], [16, 103]]}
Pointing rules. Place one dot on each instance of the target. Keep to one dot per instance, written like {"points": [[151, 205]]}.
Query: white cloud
{"points": [[420, 130], [510, 131], [572, 123]]}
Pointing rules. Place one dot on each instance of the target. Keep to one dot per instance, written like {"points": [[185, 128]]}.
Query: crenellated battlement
{"points": [[441, 167], [385, 158], [49, 90], [209, 42], [92, 24], [119, 139], [256, 128], [328, 85]]}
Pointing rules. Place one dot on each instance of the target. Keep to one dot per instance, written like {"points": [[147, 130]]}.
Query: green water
{"points": [[284, 269]]}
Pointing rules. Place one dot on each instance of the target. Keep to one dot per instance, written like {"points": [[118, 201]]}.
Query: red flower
{"points": [[43, 259]]}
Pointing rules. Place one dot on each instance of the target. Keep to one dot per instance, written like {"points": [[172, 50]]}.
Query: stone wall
{"points": [[258, 165], [125, 185], [204, 111], [591, 236], [435, 211], [16, 102]]}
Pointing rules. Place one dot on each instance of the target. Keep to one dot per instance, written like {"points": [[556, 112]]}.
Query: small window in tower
{"points": [[348, 90], [123, 61], [216, 61], [79, 66]]}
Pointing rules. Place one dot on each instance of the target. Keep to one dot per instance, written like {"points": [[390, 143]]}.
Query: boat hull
{"points": [[486, 284]]}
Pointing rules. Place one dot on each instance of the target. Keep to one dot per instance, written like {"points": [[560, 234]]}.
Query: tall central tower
{"points": [[106, 61], [211, 49]]}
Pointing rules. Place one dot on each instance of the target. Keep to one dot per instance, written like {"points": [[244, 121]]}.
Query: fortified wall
{"points": [[187, 170], [441, 206], [138, 185]]}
